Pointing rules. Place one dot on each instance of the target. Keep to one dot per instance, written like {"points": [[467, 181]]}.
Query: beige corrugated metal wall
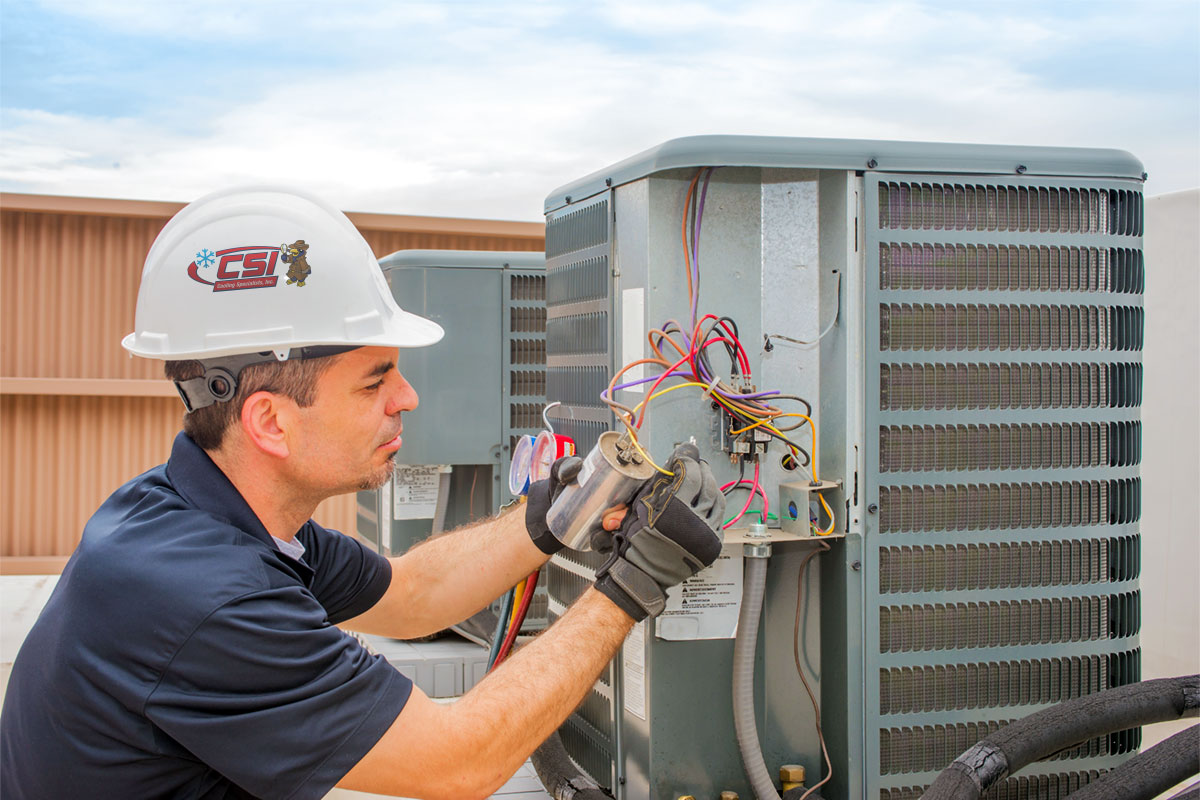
{"points": [[78, 416]]}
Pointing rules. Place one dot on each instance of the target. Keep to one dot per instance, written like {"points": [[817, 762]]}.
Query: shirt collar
{"points": [[202, 483]]}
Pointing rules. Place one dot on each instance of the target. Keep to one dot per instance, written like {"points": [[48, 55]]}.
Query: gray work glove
{"points": [[670, 533], [541, 495]]}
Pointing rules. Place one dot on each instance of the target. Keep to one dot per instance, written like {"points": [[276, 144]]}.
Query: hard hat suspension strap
{"points": [[219, 382]]}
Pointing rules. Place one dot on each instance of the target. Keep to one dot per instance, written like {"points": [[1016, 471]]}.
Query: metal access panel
{"points": [[659, 723], [480, 387], [940, 272]]}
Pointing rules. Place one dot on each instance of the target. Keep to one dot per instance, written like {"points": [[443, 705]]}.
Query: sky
{"points": [[482, 109]]}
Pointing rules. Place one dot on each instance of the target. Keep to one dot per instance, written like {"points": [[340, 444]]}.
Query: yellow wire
{"points": [[645, 455], [829, 511], [661, 392], [764, 422], [517, 592]]}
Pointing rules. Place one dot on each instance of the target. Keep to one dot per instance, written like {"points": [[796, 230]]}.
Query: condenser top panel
{"points": [[851, 154], [464, 259]]}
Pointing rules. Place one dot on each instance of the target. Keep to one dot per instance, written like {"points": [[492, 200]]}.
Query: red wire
{"points": [[653, 388], [754, 489], [742, 358], [519, 620], [763, 492]]}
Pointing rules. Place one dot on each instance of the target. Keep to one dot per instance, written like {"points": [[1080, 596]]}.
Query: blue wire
{"points": [[501, 627]]}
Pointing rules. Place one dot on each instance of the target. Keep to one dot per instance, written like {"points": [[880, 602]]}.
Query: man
{"points": [[190, 648]]}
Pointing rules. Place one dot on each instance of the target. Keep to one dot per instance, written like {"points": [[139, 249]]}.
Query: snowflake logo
{"points": [[205, 258]]}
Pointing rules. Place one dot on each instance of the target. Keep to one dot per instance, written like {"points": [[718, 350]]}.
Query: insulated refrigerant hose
{"points": [[744, 647]]}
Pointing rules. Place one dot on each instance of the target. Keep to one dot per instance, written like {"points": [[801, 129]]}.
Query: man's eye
{"points": [[375, 385]]}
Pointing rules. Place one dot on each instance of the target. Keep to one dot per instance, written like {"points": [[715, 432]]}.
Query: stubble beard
{"points": [[379, 478]]}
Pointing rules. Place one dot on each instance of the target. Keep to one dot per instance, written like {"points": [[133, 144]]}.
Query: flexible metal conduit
{"points": [[744, 647], [1052, 729]]}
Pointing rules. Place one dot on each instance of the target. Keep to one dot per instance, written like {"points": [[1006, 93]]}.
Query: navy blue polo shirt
{"points": [[183, 655]]}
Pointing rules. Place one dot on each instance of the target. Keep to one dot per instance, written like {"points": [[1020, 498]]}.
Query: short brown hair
{"points": [[295, 378]]}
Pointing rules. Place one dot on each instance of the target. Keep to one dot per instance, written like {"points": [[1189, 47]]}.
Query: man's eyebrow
{"points": [[382, 368]]}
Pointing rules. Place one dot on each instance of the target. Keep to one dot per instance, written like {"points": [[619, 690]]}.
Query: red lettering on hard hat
{"points": [[254, 265], [223, 273], [257, 269]]}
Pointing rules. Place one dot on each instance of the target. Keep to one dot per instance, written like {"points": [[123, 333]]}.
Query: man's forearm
{"points": [[469, 748], [449, 577], [530, 695]]}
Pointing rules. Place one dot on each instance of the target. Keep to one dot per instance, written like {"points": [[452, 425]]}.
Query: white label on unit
{"points": [[633, 334], [384, 510], [633, 671], [706, 605], [415, 491]]}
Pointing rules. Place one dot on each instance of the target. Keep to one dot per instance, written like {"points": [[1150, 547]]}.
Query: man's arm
{"points": [[469, 748], [449, 577]]}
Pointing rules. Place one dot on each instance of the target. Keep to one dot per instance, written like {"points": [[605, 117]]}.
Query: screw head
{"points": [[608, 181], [1022, 169], [856, 565], [872, 508], [872, 163], [568, 198]]}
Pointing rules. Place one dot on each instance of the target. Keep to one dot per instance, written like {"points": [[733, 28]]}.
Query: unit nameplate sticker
{"points": [[706, 605]]}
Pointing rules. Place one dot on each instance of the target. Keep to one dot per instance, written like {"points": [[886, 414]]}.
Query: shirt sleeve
{"points": [[349, 578], [277, 700]]}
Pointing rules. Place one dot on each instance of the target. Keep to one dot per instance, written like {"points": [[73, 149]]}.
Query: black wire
{"points": [[807, 405], [741, 477], [729, 348], [748, 420]]}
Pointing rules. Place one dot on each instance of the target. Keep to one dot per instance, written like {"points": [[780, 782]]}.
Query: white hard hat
{"points": [[265, 269]]}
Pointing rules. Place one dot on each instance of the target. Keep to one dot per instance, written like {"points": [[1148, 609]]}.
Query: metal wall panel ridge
{"points": [[69, 273]]}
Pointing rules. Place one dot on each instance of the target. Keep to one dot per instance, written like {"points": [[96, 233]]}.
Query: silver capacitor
{"points": [[610, 476]]}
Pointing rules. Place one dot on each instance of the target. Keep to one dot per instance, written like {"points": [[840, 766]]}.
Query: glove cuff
{"points": [[537, 505], [634, 592], [545, 541]]}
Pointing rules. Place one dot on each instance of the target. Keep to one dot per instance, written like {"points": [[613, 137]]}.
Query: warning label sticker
{"points": [[415, 491], [705, 606]]}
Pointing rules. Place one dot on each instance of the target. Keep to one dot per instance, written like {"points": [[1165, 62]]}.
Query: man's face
{"points": [[348, 437]]}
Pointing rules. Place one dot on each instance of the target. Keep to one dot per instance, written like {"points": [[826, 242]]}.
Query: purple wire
{"points": [[696, 246], [639, 381]]}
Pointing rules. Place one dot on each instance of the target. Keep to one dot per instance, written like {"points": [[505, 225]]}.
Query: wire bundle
{"points": [[512, 617], [747, 409]]}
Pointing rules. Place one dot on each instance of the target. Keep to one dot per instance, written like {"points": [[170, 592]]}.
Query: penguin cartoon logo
{"points": [[294, 256]]}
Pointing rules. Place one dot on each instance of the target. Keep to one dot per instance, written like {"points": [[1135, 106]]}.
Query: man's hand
{"points": [[671, 535], [541, 496]]}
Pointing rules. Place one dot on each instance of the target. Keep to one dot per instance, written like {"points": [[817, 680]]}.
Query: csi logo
{"points": [[236, 268]]}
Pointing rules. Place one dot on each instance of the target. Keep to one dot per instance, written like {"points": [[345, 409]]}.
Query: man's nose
{"points": [[404, 397]]}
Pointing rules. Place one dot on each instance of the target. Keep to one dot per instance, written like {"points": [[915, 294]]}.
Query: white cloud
{"points": [[520, 102]]}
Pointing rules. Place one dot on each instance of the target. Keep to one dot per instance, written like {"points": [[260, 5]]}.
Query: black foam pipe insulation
{"points": [[1149, 773], [1058, 727], [560, 776], [1190, 793]]}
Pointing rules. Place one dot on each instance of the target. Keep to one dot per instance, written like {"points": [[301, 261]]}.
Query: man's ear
{"points": [[264, 422]]}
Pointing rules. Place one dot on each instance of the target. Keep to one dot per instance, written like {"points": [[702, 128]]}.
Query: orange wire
{"points": [[687, 259]]}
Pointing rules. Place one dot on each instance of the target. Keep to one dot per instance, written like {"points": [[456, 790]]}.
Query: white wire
{"points": [[546, 417], [836, 314]]}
